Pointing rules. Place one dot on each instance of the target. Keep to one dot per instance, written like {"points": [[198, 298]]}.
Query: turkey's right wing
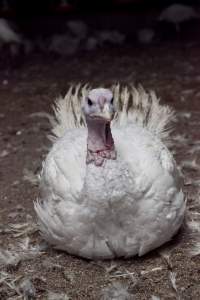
{"points": [[64, 168]]}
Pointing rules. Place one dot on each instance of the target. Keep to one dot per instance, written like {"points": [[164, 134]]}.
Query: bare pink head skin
{"points": [[99, 111]]}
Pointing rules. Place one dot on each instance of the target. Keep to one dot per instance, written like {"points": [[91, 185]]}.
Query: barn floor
{"points": [[28, 91]]}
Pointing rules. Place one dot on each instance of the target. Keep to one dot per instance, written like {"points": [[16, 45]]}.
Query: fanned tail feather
{"points": [[134, 105], [143, 108], [67, 111]]}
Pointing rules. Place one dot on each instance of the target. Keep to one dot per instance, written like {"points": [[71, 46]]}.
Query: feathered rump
{"points": [[133, 105]]}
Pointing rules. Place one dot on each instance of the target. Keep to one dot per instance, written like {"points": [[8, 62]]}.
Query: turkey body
{"points": [[126, 207]]}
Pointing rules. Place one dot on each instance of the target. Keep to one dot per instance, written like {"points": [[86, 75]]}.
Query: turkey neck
{"points": [[100, 144]]}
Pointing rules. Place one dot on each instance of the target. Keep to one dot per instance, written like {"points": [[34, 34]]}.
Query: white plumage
{"points": [[178, 13], [128, 205]]}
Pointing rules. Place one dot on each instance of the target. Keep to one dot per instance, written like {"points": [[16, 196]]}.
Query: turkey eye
{"points": [[112, 100], [89, 102]]}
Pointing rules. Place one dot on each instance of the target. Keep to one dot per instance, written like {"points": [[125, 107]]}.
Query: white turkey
{"points": [[177, 14], [9, 38], [7, 34], [109, 185]]}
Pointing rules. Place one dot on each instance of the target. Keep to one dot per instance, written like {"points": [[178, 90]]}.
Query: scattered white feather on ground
{"points": [[20, 252], [130, 275], [22, 229], [144, 272], [57, 296], [155, 297], [8, 258], [27, 288], [190, 164], [165, 254], [172, 278], [116, 291], [11, 282]]}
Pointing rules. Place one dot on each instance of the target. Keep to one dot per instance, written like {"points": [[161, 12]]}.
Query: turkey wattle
{"points": [[109, 185]]}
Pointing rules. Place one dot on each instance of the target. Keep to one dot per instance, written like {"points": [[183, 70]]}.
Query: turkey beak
{"points": [[107, 113]]}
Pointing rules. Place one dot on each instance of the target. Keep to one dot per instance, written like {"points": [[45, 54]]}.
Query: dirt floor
{"points": [[31, 269]]}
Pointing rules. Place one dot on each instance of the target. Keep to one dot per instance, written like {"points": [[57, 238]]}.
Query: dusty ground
{"points": [[171, 70]]}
